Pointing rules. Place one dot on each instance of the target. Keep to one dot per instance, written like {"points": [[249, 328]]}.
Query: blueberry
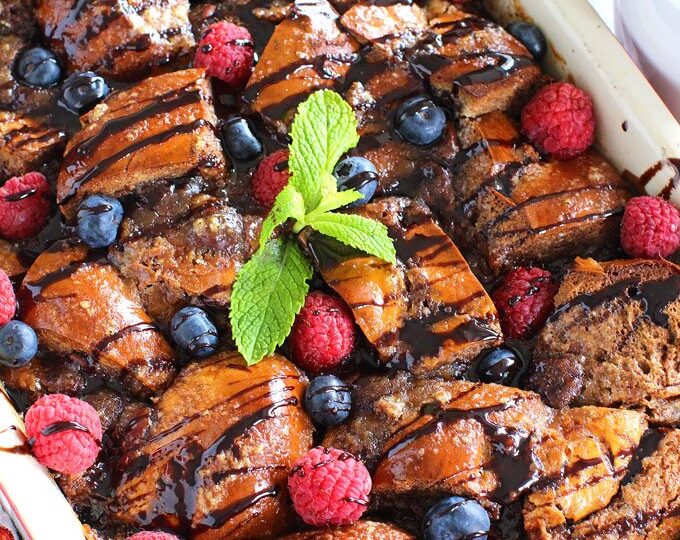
{"points": [[82, 91], [239, 141], [456, 518], [420, 121], [38, 67], [193, 331], [328, 400], [500, 366], [531, 37], [357, 173], [98, 219], [18, 344]]}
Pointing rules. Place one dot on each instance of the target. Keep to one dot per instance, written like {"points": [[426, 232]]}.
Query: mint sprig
{"points": [[270, 289]]}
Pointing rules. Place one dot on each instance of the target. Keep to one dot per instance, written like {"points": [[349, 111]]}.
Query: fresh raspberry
{"points": [[8, 302], [152, 536], [6, 534], [650, 228], [329, 487], [69, 451], [559, 120], [226, 51], [323, 333], [524, 300], [271, 177], [24, 206]]}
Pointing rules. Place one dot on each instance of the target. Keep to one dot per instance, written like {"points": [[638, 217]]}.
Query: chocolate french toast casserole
{"points": [[328, 269]]}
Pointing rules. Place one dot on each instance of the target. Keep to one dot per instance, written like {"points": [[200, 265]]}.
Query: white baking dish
{"points": [[635, 131]]}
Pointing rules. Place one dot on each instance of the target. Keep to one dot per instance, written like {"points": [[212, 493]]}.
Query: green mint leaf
{"points": [[324, 129], [288, 204], [368, 235], [335, 201], [268, 294]]}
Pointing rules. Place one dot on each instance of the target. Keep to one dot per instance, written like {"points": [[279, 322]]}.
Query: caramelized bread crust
{"points": [[307, 51], [633, 307], [81, 307], [361, 530], [123, 39], [27, 144], [162, 128], [428, 312], [12, 262], [212, 460]]}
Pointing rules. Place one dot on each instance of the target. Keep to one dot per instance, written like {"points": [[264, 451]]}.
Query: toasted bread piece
{"points": [[361, 530], [534, 212], [586, 453], [427, 313], [123, 39], [307, 51], [80, 306], [27, 144], [182, 246], [15, 96], [162, 128], [618, 323], [646, 508], [212, 460], [478, 67]]}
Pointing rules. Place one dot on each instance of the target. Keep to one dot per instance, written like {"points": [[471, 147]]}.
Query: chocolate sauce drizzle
{"points": [[654, 297], [513, 461]]}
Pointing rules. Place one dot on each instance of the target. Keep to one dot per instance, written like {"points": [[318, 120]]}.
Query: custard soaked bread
{"points": [[613, 339], [162, 128], [180, 245], [361, 530], [80, 306], [429, 438], [428, 313], [212, 458], [125, 39]]}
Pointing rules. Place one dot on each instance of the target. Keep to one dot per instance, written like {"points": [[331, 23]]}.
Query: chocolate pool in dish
{"points": [[585, 444]]}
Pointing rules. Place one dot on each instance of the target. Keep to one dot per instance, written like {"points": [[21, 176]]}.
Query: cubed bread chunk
{"points": [[613, 339], [162, 128], [80, 306], [181, 246], [478, 67], [535, 212], [307, 51], [212, 459], [123, 39], [586, 453], [428, 313], [12, 262], [28, 144]]}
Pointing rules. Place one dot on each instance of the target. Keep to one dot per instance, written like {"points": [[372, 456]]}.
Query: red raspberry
{"points": [[226, 51], [6, 534], [271, 177], [329, 487], [8, 302], [524, 300], [24, 206], [650, 228], [66, 450], [559, 120], [152, 536], [323, 333]]}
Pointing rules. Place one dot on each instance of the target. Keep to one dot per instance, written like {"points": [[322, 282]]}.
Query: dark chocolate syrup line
{"points": [[654, 296], [219, 517], [136, 147], [131, 329], [581, 219], [513, 461], [461, 28], [58, 427], [648, 445], [20, 195]]}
